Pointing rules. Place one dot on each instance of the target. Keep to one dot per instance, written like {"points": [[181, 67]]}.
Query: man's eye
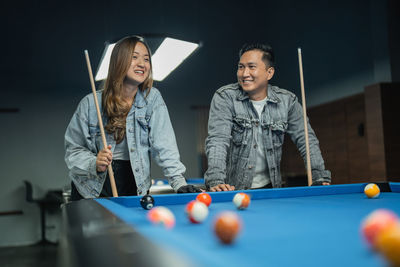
{"points": [[240, 67], [147, 59], [134, 57], [252, 67]]}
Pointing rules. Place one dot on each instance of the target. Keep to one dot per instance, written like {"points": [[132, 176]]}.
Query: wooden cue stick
{"points": [[303, 99], [103, 135]]}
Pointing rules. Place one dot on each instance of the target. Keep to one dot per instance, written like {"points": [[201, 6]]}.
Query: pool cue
{"points": [[103, 135], [303, 99]]}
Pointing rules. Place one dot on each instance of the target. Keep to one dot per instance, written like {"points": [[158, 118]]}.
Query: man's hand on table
{"points": [[222, 187], [321, 183]]}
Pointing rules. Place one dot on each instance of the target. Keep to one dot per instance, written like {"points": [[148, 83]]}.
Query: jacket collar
{"points": [[272, 97], [140, 100]]}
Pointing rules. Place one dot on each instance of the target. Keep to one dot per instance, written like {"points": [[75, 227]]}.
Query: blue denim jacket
{"points": [[148, 131], [232, 127]]}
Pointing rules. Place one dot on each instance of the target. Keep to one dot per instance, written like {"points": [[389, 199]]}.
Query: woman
{"points": [[137, 125]]}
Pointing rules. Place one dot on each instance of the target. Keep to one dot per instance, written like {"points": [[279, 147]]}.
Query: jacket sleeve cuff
{"points": [[321, 176], [176, 182], [92, 167], [211, 182], [93, 171]]}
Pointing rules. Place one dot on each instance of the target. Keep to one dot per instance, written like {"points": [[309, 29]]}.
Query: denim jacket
{"points": [[232, 126], [148, 131]]}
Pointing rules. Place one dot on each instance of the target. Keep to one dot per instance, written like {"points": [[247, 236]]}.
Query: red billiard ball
{"points": [[227, 226], [205, 198], [161, 215], [241, 200], [196, 211], [375, 223]]}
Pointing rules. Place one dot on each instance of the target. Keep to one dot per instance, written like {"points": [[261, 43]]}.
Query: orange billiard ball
{"points": [[196, 211], [376, 222], [388, 244], [227, 226], [163, 216], [205, 198], [372, 190], [241, 200]]}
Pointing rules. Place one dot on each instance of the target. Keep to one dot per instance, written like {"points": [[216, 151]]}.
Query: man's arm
{"points": [[218, 142], [295, 129]]}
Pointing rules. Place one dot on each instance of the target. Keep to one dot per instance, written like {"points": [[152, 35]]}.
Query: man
{"points": [[246, 128]]}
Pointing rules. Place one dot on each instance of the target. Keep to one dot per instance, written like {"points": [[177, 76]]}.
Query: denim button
{"points": [[132, 149], [137, 169], [131, 130], [250, 167], [255, 146]]}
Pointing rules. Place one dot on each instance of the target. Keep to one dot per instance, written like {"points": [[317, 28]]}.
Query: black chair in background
{"points": [[51, 203]]}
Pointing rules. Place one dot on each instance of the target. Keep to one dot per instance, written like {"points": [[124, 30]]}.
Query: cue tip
{"points": [[86, 52], [299, 50]]}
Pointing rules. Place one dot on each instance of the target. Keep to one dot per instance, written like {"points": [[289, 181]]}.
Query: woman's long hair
{"points": [[112, 103]]}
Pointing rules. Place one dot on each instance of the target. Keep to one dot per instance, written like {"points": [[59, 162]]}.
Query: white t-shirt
{"points": [[121, 150], [261, 177]]}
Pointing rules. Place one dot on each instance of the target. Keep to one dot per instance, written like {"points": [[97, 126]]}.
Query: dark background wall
{"points": [[346, 44]]}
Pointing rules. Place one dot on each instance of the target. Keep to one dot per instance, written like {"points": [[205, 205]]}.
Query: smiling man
{"points": [[246, 128]]}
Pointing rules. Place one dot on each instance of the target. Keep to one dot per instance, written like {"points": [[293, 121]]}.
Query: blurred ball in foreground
{"points": [[162, 215], [227, 226]]}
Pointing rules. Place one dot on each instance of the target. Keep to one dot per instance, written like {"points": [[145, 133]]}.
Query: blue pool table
{"points": [[302, 226]]}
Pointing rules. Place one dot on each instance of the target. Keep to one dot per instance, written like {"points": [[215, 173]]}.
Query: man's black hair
{"points": [[268, 55]]}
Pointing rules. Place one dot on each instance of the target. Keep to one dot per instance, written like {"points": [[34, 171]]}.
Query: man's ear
{"points": [[270, 73]]}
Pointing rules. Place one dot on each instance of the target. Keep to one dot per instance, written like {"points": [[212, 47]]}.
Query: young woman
{"points": [[137, 125]]}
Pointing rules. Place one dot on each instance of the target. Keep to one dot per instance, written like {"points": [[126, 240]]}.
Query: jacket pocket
{"points": [[95, 136], [238, 131], [278, 129], [144, 131]]}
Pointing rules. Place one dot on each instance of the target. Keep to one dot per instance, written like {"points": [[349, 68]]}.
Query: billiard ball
{"points": [[161, 215], [388, 244], [147, 202], [205, 198], [196, 211], [375, 223], [241, 201], [227, 226], [372, 190]]}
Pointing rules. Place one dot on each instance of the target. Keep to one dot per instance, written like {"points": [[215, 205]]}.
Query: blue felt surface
{"points": [[319, 230]]}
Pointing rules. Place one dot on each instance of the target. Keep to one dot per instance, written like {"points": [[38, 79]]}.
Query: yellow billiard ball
{"points": [[372, 190]]}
